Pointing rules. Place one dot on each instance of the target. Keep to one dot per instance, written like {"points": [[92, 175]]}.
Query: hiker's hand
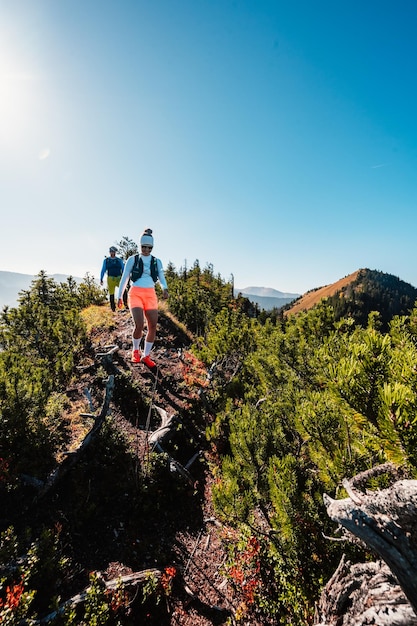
{"points": [[166, 294]]}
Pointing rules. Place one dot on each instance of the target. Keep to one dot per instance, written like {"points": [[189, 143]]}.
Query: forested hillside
{"points": [[12, 283], [199, 496], [360, 293]]}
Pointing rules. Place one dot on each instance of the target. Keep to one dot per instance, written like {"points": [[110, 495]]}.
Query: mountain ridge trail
{"points": [[202, 595]]}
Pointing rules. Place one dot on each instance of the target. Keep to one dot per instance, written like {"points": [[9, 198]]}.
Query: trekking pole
{"points": [[148, 419]]}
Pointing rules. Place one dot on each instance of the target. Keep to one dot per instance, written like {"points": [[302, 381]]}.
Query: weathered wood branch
{"points": [[129, 580], [106, 359], [166, 430], [74, 456], [363, 593], [163, 435], [87, 394], [386, 522]]}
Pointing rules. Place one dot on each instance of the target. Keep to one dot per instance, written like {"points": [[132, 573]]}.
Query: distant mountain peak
{"points": [[267, 298], [266, 292]]}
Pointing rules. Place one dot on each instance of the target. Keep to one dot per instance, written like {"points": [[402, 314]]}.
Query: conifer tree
{"points": [[39, 344]]}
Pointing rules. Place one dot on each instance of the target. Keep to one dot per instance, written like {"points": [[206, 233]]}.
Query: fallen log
{"points": [[363, 593], [385, 521]]}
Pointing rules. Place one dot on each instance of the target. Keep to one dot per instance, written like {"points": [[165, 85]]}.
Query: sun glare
{"points": [[18, 84]]}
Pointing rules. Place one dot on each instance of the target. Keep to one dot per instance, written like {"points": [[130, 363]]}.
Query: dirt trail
{"points": [[201, 594]]}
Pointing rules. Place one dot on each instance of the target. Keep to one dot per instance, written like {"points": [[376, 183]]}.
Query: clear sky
{"points": [[274, 139]]}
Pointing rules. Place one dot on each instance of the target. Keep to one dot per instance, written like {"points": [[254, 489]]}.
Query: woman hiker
{"points": [[144, 270]]}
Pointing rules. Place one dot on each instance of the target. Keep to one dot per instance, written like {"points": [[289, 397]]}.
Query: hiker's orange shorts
{"points": [[143, 297]]}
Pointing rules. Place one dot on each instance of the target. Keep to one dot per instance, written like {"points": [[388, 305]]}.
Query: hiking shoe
{"points": [[146, 360], [135, 356]]}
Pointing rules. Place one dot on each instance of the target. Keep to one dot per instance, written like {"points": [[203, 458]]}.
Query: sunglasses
{"points": [[147, 247]]}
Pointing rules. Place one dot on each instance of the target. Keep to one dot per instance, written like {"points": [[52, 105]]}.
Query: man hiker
{"points": [[114, 266]]}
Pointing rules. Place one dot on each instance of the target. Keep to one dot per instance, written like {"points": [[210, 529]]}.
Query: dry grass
{"points": [[98, 318], [77, 424], [312, 298], [163, 309]]}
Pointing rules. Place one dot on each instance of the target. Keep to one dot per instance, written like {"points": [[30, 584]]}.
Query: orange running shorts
{"points": [[143, 298]]}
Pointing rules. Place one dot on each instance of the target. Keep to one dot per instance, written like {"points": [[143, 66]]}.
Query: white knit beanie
{"points": [[146, 238]]}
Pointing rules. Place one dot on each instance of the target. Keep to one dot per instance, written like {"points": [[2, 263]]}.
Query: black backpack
{"points": [[137, 270]]}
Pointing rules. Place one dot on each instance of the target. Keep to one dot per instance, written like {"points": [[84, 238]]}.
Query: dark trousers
{"points": [[113, 302]]}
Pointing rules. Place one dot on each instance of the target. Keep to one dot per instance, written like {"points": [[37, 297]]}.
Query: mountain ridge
{"points": [[267, 298], [12, 283], [360, 293], [266, 292], [314, 296], [341, 293]]}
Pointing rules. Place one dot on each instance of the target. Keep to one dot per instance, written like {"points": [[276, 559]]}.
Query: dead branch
{"points": [[386, 522], [359, 481], [87, 394], [106, 359], [166, 431], [163, 435], [129, 580], [73, 457], [363, 593]]}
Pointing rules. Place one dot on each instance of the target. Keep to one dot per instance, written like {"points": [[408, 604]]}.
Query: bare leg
{"points": [[152, 320], [138, 319]]}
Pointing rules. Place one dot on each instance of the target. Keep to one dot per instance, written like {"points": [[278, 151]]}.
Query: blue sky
{"points": [[276, 140]]}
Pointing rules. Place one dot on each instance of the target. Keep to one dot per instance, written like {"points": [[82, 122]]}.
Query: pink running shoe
{"points": [[146, 360], [135, 356]]}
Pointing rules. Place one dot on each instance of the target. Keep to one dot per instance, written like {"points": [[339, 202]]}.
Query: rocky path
{"points": [[201, 593]]}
